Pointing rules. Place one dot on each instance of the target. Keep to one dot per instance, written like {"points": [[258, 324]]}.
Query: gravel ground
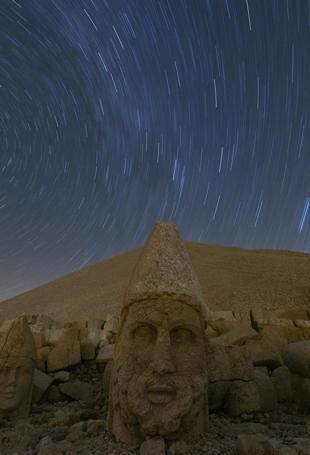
{"points": [[79, 428]]}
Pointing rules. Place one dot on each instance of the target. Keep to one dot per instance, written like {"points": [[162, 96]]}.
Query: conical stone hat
{"points": [[17, 341], [165, 268]]}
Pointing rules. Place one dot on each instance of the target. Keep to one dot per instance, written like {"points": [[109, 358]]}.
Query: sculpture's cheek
{"points": [[142, 358], [189, 360]]}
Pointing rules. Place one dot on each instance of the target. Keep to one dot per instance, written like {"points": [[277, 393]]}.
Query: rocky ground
{"points": [[62, 425]]}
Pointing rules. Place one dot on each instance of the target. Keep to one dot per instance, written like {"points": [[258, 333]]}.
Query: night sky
{"points": [[117, 113]]}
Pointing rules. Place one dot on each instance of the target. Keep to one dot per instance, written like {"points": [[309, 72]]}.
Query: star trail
{"points": [[117, 113]]}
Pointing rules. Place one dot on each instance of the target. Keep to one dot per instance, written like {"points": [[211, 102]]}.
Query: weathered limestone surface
{"points": [[238, 335], [281, 379], [159, 378], [17, 362], [41, 383], [266, 390], [297, 358], [64, 355], [243, 398], [105, 355]]}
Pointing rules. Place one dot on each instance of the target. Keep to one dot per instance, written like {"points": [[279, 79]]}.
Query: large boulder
{"points": [[229, 371], [281, 379], [297, 358], [237, 336], [266, 390], [243, 398], [227, 363], [259, 444], [77, 390], [262, 353], [63, 356], [301, 391], [105, 354], [90, 343], [41, 383], [222, 321]]}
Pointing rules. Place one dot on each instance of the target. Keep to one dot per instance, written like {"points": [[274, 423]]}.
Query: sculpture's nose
{"points": [[162, 362], [11, 376]]}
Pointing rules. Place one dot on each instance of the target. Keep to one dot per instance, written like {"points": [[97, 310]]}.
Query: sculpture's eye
{"points": [[182, 335], [145, 333]]}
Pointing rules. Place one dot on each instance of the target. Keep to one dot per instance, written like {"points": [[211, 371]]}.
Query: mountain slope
{"points": [[231, 278]]}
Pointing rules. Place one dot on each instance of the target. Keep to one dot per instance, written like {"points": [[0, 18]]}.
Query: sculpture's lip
{"points": [[9, 393], [160, 388]]}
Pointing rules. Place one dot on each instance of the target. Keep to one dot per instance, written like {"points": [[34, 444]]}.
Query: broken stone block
{"points": [[46, 446], [153, 446], [227, 363], [42, 321], [281, 379], [83, 333], [57, 324], [95, 323], [61, 376], [222, 321], [5, 325], [210, 333], [243, 398], [293, 334], [249, 444], [77, 325], [274, 322], [54, 395], [111, 324], [38, 335], [42, 355], [96, 427], [88, 350], [106, 338], [301, 391], [221, 316], [217, 394], [41, 383], [178, 448], [266, 390], [259, 444], [94, 335], [256, 314], [302, 324], [262, 353], [104, 355], [90, 344], [274, 337], [297, 358], [63, 356], [77, 390], [63, 335], [294, 314], [237, 336]]}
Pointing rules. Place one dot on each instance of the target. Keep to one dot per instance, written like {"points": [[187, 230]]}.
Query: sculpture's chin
{"points": [[159, 408], [9, 404]]}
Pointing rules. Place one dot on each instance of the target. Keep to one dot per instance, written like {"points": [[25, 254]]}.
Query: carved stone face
{"points": [[15, 383], [160, 370]]}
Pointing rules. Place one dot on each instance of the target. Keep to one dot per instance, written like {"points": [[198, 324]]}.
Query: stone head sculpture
{"points": [[17, 361], [159, 379]]}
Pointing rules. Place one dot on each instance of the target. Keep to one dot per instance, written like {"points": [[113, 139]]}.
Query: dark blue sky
{"points": [[117, 113]]}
